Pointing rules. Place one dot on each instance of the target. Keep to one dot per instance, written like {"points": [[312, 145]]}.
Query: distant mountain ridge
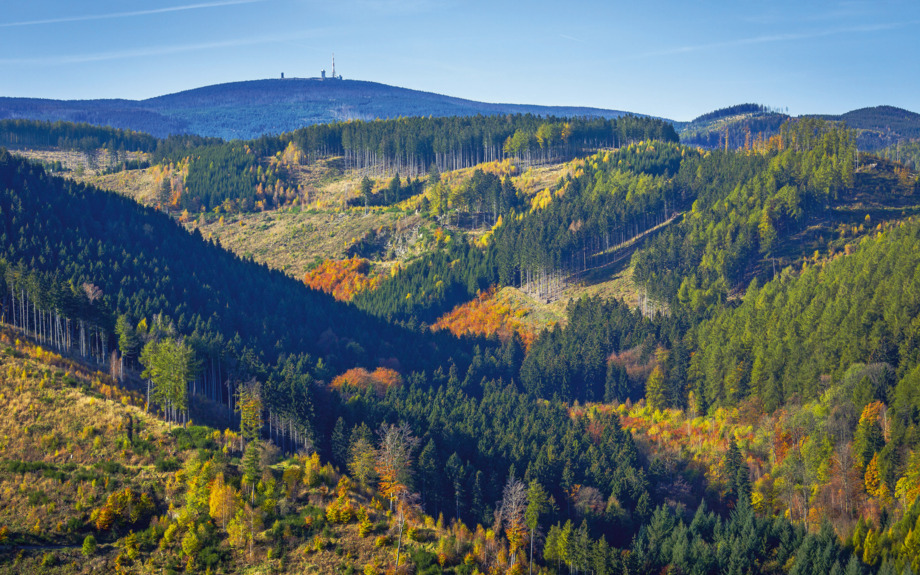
{"points": [[249, 109], [876, 127]]}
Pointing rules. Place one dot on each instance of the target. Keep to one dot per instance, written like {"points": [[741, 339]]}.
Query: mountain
{"points": [[876, 127], [734, 123], [246, 110], [881, 126]]}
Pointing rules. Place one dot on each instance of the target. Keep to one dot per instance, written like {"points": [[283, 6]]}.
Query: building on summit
{"points": [[333, 77]]}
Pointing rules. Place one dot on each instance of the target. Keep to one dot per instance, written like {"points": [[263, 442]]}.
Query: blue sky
{"points": [[676, 59]]}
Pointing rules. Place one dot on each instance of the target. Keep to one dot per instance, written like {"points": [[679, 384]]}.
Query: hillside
{"points": [[743, 125], [246, 110], [880, 126], [689, 351], [178, 317], [92, 482], [733, 127]]}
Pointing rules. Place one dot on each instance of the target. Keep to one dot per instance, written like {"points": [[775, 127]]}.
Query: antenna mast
{"points": [[333, 65]]}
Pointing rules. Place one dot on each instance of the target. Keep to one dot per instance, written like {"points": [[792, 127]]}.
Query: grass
{"points": [[64, 447], [294, 241]]}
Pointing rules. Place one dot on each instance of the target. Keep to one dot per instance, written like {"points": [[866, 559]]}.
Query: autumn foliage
{"points": [[486, 316], [342, 278], [380, 380]]}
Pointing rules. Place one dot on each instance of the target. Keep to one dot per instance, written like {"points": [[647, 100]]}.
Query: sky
{"points": [[675, 59]]}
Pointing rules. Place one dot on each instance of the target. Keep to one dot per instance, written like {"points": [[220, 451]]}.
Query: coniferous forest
{"points": [[754, 407]]}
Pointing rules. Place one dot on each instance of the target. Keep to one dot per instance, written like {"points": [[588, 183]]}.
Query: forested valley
{"points": [[748, 403]]}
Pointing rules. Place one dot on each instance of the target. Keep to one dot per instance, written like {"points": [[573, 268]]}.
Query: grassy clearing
{"points": [[294, 241]]}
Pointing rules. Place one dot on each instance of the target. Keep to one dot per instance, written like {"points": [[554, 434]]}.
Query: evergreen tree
{"points": [[339, 441], [428, 472]]}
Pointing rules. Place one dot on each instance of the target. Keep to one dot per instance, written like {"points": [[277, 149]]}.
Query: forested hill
{"points": [[743, 125], [629, 420], [880, 126], [90, 255], [246, 110]]}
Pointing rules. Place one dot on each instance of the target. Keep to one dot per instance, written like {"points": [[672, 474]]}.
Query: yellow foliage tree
{"points": [[874, 484], [224, 502]]}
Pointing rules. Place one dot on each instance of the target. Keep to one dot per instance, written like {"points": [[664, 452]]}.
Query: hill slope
{"points": [[876, 127], [250, 109]]}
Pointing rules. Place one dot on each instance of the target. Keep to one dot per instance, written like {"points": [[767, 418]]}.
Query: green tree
{"points": [[655, 392], [737, 474], [551, 545], [339, 442], [89, 546], [429, 471], [391, 195], [249, 405], [251, 466], [537, 504], [169, 365], [164, 194], [361, 455], [128, 340], [367, 188], [455, 472]]}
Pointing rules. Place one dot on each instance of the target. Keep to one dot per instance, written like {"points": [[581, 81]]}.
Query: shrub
{"points": [[194, 436], [89, 546], [167, 464], [123, 507], [365, 527]]}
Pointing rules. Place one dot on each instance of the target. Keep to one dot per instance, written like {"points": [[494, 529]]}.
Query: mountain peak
{"points": [[249, 109]]}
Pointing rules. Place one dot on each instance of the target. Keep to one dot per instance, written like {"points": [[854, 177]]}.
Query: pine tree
{"points": [[251, 466], [454, 470], [128, 338], [734, 467], [249, 405], [339, 441], [655, 392], [367, 188], [551, 545], [537, 504], [477, 502], [428, 471], [164, 193]]}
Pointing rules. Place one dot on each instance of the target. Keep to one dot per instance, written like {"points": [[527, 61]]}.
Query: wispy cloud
{"points": [[59, 60], [771, 38], [135, 13], [402, 6]]}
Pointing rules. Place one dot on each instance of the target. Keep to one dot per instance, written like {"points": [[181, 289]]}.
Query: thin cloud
{"points": [[770, 38], [132, 14], [149, 51]]}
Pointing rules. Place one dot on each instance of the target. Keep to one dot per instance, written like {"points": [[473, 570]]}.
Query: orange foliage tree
{"points": [[380, 380], [344, 279], [485, 316]]}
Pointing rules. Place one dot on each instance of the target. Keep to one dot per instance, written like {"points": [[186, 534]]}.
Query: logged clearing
{"points": [[79, 164], [294, 241], [140, 185]]}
